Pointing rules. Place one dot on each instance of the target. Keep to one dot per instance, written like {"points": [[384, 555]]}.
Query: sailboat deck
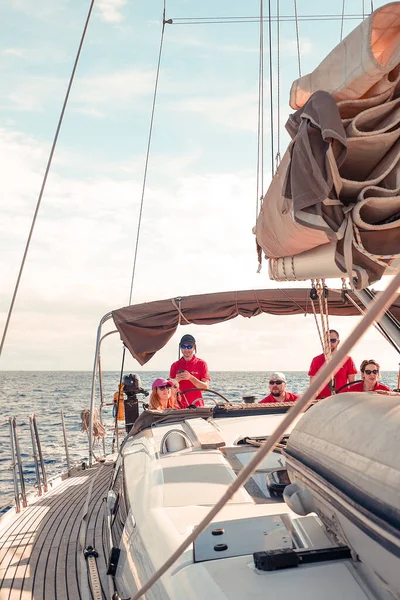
{"points": [[41, 548]]}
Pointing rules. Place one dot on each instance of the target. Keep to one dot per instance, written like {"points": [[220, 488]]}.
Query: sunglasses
{"points": [[374, 371], [164, 387], [333, 340], [277, 382], [186, 347]]}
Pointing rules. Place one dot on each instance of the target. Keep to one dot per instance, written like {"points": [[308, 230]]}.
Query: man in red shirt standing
{"points": [[346, 373], [190, 372], [277, 390]]}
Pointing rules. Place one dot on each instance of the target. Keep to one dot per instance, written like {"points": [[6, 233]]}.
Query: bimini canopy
{"points": [[146, 328]]}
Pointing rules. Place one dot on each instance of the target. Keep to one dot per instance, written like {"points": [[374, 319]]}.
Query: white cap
{"points": [[278, 375]]}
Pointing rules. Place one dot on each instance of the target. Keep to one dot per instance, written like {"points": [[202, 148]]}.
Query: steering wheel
{"points": [[346, 385], [206, 391]]}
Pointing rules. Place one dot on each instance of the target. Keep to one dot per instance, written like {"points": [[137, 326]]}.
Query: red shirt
{"points": [[195, 366], [289, 397], [341, 376], [359, 387]]}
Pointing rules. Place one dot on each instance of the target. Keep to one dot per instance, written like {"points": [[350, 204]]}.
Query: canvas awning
{"points": [[146, 328]]}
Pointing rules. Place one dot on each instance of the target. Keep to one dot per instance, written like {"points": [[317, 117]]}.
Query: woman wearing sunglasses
{"points": [[161, 397], [369, 375], [176, 395]]}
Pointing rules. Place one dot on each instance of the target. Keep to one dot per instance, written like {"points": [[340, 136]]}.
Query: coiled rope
{"points": [[99, 431]]}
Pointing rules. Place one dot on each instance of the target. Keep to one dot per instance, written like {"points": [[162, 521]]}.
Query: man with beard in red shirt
{"points": [[190, 372], [277, 390], [345, 374]]}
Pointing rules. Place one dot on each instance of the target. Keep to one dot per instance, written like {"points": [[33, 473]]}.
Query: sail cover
{"points": [[146, 328], [336, 192]]}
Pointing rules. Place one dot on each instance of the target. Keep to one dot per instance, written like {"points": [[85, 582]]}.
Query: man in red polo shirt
{"points": [[277, 390], [346, 373], [191, 372]]}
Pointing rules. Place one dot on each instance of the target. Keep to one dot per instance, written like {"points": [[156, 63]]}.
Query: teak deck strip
{"points": [[40, 548]]}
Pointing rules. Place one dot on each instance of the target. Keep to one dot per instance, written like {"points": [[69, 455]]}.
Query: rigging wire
{"points": [[49, 162], [147, 155], [278, 90], [376, 324], [297, 35], [260, 116], [242, 19], [271, 100], [164, 22], [342, 20]]}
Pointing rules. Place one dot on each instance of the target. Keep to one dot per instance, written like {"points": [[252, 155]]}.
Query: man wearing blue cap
{"points": [[191, 372]]}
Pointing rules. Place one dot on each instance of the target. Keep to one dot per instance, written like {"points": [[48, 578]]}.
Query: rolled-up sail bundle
{"points": [[339, 182], [276, 217], [317, 263], [360, 65]]}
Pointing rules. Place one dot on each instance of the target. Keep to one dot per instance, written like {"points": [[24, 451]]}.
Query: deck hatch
{"points": [[240, 537], [205, 433]]}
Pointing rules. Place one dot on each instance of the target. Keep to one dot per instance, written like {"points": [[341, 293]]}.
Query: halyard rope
{"points": [[297, 36]]}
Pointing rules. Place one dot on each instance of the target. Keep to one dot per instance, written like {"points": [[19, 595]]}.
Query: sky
{"points": [[200, 196]]}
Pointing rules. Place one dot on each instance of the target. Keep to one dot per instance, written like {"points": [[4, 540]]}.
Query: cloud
{"points": [[191, 41], [289, 47], [116, 88], [111, 10], [40, 8], [18, 52], [236, 110], [107, 91], [82, 246], [33, 94]]}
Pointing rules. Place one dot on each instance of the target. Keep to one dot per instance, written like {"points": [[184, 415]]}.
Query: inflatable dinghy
{"points": [[343, 462]]}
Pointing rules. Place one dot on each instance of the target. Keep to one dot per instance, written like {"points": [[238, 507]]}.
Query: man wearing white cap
{"points": [[277, 390]]}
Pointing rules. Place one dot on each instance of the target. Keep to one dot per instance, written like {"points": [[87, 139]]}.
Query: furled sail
{"points": [[333, 207]]}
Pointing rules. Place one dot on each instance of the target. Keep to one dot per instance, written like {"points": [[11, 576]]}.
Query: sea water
{"points": [[46, 393]]}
